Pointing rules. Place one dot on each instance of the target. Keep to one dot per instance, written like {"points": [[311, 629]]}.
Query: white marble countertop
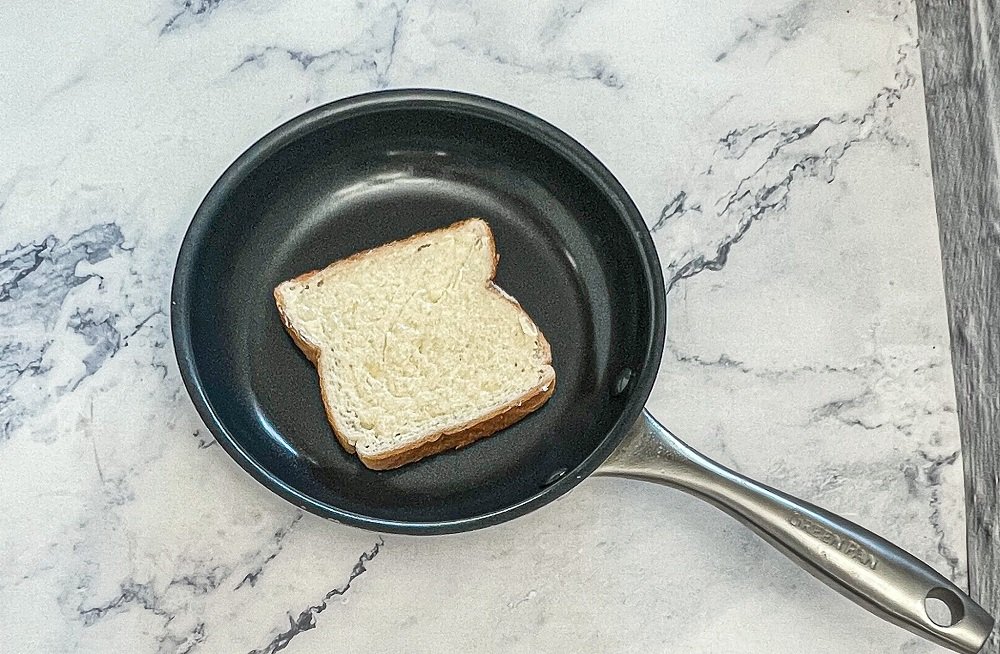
{"points": [[777, 149]]}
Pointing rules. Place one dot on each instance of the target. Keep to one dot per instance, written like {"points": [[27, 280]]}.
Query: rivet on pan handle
{"points": [[867, 569]]}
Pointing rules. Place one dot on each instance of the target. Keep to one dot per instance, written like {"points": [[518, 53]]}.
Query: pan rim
{"points": [[446, 101]]}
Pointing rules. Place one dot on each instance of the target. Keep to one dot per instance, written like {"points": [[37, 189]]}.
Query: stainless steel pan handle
{"points": [[865, 568]]}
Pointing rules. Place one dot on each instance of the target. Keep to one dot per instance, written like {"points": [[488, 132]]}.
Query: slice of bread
{"points": [[417, 350]]}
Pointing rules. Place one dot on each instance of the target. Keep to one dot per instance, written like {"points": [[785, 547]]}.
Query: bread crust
{"points": [[437, 442], [466, 434]]}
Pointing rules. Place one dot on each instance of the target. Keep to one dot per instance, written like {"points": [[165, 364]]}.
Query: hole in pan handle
{"points": [[863, 567]]}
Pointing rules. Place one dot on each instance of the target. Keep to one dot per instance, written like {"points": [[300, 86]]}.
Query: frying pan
{"points": [[373, 168]]}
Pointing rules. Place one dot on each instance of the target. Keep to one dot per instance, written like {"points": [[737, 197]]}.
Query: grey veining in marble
{"points": [[778, 151]]}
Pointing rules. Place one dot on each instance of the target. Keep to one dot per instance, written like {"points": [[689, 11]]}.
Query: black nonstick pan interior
{"points": [[372, 169]]}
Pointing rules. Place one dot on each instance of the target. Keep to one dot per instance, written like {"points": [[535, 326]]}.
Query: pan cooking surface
{"points": [[369, 170]]}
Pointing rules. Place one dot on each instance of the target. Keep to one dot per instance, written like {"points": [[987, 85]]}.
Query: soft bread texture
{"points": [[417, 350]]}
